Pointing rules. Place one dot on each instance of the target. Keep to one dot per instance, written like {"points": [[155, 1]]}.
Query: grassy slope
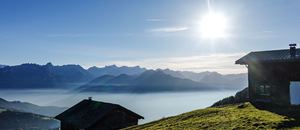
{"points": [[227, 117]]}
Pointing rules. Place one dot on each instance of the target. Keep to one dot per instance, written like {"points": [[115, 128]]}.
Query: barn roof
{"points": [[88, 112], [269, 56]]}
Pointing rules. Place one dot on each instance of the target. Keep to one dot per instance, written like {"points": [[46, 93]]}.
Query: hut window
{"points": [[264, 90]]}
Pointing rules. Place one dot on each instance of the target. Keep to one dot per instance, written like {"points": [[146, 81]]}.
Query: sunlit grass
{"points": [[228, 117]]}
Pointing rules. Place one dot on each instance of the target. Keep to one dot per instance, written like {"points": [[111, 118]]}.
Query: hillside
{"points": [[14, 120], [244, 116], [31, 108]]}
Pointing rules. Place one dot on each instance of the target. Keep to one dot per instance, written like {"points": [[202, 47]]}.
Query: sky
{"points": [[150, 33]]}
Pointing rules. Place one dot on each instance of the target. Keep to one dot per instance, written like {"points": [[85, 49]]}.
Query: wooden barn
{"points": [[274, 76], [94, 115]]}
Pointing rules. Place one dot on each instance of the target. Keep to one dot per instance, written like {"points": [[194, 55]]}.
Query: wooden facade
{"points": [[93, 115], [270, 74], [270, 82], [115, 120]]}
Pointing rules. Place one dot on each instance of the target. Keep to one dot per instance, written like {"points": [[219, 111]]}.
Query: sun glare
{"points": [[213, 25]]}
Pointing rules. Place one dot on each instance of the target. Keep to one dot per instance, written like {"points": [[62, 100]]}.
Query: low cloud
{"points": [[169, 29]]}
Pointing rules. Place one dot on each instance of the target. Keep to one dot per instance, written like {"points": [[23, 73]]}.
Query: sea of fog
{"points": [[152, 106]]}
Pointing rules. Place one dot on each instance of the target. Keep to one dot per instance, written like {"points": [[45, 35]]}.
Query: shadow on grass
{"points": [[292, 113]]}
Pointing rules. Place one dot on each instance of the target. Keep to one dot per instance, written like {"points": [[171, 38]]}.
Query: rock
{"points": [[242, 105]]}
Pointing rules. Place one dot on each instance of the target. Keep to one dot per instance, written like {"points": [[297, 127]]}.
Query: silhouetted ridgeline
{"points": [[14, 120], [108, 78], [240, 97], [42, 76], [148, 81], [115, 70], [31, 108], [16, 115], [212, 78]]}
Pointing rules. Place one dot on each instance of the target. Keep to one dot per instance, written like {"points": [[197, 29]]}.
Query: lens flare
{"points": [[213, 25]]}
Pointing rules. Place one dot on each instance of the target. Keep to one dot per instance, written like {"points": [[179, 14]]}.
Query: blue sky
{"points": [[150, 33]]}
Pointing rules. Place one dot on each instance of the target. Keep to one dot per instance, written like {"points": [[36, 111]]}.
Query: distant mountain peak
{"points": [[111, 66], [49, 64], [115, 70], [93, 67]]}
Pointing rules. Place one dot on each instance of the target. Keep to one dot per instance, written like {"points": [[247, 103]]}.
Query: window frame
{"points": [[263, 90]]}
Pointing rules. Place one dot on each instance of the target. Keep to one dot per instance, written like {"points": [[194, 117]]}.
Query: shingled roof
{"points": [[269, 56], [88, 112]]}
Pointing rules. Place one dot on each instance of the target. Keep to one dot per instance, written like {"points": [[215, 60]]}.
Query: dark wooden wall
{"points": [[115, 120], [278, 75], [65, 126]]}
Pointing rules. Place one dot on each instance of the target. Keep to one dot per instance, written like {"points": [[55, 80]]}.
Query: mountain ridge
{"points": [[49, 76], [115, 70], [148, 81], [213, 78], [31, 108], [42, 76]]}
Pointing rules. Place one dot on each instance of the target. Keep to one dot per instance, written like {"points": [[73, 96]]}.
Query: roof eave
{"points": [[240, 62], [141, 117]]}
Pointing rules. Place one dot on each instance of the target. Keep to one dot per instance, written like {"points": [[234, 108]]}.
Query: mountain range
{"points": [[129, 79], [115, 70], [43, 76], [148, 81], [212, 78]]}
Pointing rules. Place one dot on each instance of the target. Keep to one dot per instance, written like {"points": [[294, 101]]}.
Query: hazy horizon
{"points": [[163, 68]]}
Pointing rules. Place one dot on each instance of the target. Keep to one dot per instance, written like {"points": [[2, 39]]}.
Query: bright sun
{"points": [[213, 25]]}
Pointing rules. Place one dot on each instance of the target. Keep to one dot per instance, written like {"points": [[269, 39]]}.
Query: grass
{"points": [[233, 117]]}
